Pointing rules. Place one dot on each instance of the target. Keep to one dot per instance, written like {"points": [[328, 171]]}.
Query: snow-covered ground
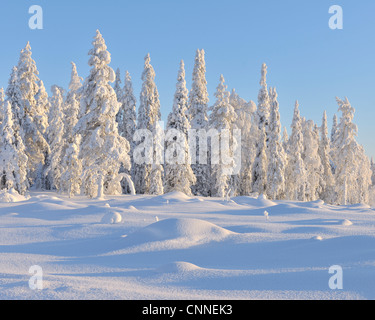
{"points": [[178, 247]]}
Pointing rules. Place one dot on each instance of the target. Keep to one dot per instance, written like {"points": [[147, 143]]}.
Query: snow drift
{"points": [[178, 233]]}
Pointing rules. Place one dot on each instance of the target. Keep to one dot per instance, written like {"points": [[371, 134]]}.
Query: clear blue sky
{"points": [[306, 59]]}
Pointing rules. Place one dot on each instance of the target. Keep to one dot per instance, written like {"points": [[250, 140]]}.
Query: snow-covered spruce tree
{"points": [[352, 172], [127, 116], [31, 106], [102, 149], [222, 118], [198, 107], [148, 118], [260, 165], [157, 169], [14, 97], [43, 108], [55, 138], [311, 158], [295, 177], [277, 159], [178, 173], [70, 181], [285, 140], [72, 104], [334, 128], [117, 85], [327, 182], [41, 120], [372, 189], [2, 99], [263, 110], [373, 172], [127, 121], [246, 122], [13, 160]]}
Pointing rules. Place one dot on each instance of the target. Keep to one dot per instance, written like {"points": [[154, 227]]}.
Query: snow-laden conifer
{"points": [[352, 166], [102, 149], [222, 119], [198, 116], [117, 85], [13, 160], [277, 160], [127, 121], [31, 106], [148, 118], [263, 110], [260, 165], [295, 171], [373, 171], [312, 161], [72, 103], [246, 123], [55, 137], [71, 181], [327, 181], [178, 173]]}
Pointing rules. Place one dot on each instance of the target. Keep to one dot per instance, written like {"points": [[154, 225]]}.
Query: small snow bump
{"points": [[346, 222]]}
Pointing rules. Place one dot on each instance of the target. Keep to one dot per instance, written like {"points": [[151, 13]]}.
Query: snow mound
{"points": [[11, 196], [319, 238], [174, 196], [346, 222], [262, 199], [191, 230], [111, 218], [358, 206], [177, 267], [317, 204]]}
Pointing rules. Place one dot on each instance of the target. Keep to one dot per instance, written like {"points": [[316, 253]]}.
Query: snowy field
{"points": [[178, 247]]}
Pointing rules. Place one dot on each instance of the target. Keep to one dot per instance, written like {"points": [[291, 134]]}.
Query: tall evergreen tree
{"points": [[311, 158], [178, 173], [71, 181], [127, 122], [14, 97], [222, 118], [260, 165], [263, 110], [198, 108], [296, 170], [246, 122], [277, 157], [117, 85], [55, 137], [373, 171], [285, 140], [327, 184], [102, 149], [31, 106], [352, 174], [127, 116], [72, 104], [13, 160], [334, 128], [148, 118], [2, 99]]}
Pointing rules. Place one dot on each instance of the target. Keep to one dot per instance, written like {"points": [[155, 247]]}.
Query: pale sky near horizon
{"points": [[307, 61]]}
